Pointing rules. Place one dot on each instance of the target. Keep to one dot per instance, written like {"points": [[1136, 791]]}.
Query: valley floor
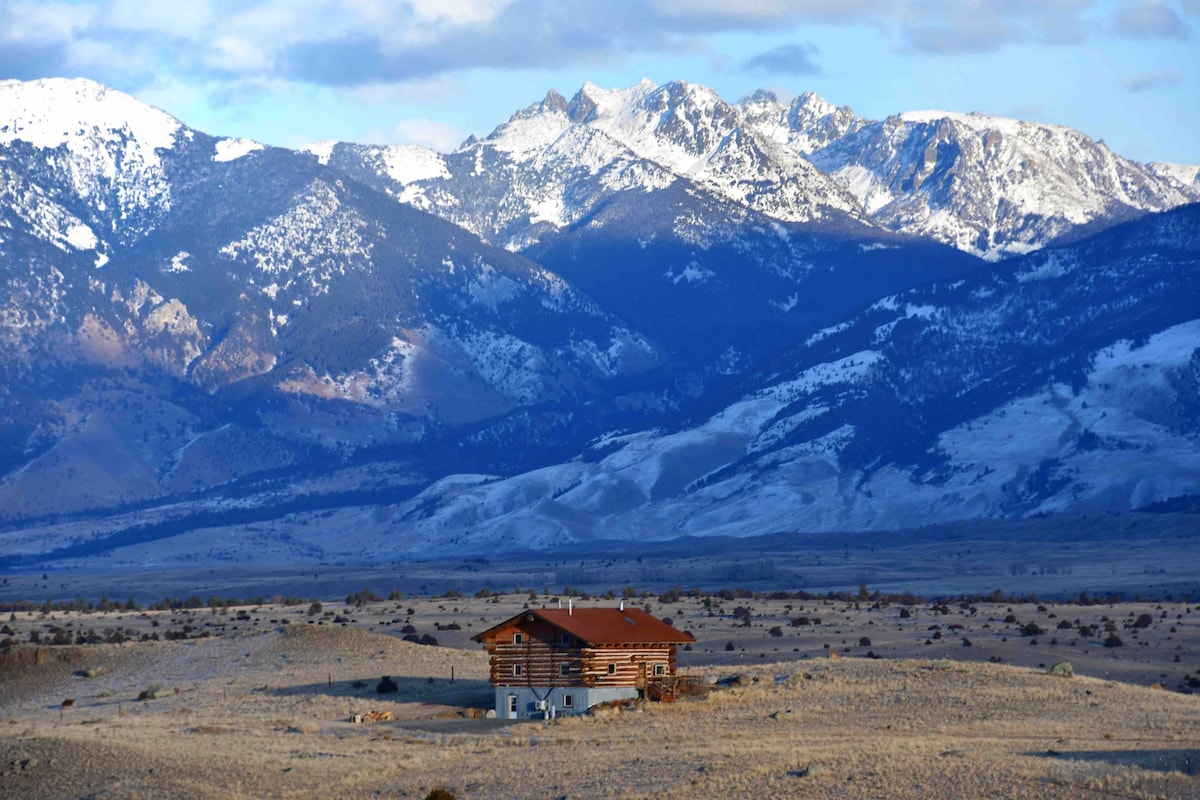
{"points": [[259, 706]]}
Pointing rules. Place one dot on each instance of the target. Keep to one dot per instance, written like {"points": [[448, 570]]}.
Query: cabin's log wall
{"points": [[627, 661], [541, 665], [542, 653]]}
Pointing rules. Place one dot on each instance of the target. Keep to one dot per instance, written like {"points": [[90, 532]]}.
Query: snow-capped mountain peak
{"points": [[607, 102], [99, 144], [987, 185], [531, 130], [554, 162], [808, 123], [552, 103], [1185, 174], [813, 104], [51, 112], [990, 185], [692, 132], [675, 124]]}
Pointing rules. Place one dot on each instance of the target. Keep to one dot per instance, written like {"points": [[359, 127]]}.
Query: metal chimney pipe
{"points": [[570, 606]]}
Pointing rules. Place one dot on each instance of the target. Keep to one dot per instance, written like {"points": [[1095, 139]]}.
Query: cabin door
{"points": [[512, 706], [641, 676]]}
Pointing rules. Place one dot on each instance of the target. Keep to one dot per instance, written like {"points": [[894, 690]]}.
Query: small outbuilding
{"points": [[564, 661]]}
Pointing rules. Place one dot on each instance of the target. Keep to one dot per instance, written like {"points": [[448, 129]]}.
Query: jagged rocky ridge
{"points": [[985, 185]]}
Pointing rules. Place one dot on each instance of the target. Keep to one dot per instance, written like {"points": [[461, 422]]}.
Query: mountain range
{"points": [[637, 313]]}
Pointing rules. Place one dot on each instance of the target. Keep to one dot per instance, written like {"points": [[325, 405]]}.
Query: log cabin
{"points": [[546, 662]]}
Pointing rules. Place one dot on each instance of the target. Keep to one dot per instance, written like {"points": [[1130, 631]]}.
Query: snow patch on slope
{"points": [[81, 237], [322, 150], [523, 136], [47, 219], [103, 141], [409, 163], [491, 288], [511, 365], [1116, 427], [233, 149], [315, 241], [179, 262]]}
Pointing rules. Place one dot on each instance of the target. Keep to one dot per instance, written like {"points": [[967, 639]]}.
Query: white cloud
{"points": [[458, 12], [238, 54], [766, 12], [87, 55], [355, 42], [429, 133], [171, 94], [360, 43], [1151, 80], [788, 59], [418, 90], [43, 22], [178, 20], [1151, 19]]}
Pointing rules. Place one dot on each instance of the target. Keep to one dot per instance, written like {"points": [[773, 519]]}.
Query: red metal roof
{"points": [[603, 626]]}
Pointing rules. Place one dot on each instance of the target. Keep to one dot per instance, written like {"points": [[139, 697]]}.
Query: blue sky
{"points": [[288, 72]]}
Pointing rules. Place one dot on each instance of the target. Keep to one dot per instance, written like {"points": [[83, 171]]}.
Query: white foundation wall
{"points": [[524, 702]]}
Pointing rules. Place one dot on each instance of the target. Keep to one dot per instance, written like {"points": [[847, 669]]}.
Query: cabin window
{"points": [[564, 670], [564, 639], [516, 670], [518, 638], [660, 669], [568, 701], [612, 669]]}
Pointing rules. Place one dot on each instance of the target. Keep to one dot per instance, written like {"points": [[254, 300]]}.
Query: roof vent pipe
{"points": [[622, 608], [570, 606]]}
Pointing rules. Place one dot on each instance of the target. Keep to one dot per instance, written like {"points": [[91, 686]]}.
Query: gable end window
{"points": [[518, 638], [564, 670], [564, 639]]}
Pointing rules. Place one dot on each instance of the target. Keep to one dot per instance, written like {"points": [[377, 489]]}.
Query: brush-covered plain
{"points": [[832, 698]]}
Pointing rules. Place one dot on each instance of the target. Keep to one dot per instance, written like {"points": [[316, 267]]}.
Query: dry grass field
{"points": [[249, 706]]}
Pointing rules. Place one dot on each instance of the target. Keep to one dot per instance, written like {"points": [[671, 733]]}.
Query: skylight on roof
{"points": [[631, 622]]}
